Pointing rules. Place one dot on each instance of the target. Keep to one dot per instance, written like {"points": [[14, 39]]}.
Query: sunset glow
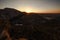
{"points": [[34, 10], [28, 10], [40, 6]]}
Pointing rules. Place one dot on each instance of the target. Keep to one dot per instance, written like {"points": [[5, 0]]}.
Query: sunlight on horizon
{"points": [[30, 10], [34, 10], [36, 6]]}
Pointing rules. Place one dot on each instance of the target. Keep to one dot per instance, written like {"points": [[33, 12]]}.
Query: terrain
{"points": [[15, 25]]}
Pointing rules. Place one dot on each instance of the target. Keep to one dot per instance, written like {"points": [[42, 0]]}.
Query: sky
{"points": [[49, 6]]}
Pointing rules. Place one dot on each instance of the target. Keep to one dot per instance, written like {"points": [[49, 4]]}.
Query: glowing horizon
{"points": [[34, 10], [40, 6]]}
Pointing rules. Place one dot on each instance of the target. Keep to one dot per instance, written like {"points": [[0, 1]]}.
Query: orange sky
{"points": [[30, 9], [40, 6]]}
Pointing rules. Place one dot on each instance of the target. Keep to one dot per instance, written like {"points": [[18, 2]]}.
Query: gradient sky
{"points": [[52, 6]]}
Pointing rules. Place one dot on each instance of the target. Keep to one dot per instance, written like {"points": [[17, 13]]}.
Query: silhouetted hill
{"points": [[5, 15], [33, 26], [10, 12]]}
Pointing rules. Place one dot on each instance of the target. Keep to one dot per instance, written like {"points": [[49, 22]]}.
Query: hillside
{"points": [[33, 26]]}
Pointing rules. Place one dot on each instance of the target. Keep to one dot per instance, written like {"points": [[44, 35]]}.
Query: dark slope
{"points": [[32, 26]]}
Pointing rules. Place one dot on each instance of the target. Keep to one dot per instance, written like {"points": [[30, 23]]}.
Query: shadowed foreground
{"points": [[16, 25]]}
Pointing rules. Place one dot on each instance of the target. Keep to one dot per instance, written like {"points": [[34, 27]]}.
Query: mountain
{"points": [[33, 26]]}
